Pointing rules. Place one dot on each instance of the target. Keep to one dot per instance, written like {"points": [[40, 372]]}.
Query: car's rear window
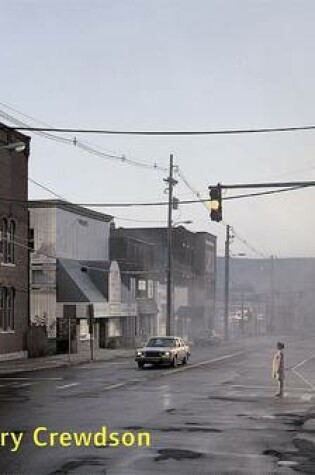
{"points": [[161, 342]]}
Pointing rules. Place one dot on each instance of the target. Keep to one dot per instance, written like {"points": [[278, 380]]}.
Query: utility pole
{"points": [[91, 330], [272, 296], [242, 313], [169, 271], [226, 287]]}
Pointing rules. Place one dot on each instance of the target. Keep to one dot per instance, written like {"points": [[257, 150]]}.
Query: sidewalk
{"points": [[58, 361]]}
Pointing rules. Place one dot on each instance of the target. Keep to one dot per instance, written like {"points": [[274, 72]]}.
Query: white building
{"points": [[60, 233]]}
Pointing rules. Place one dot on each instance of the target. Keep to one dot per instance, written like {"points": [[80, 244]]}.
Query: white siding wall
{"points": [[43, 221], [80, 237]]}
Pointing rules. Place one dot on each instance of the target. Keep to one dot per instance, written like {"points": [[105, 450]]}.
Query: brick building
{"points": [[194, 273], [14, 254]]}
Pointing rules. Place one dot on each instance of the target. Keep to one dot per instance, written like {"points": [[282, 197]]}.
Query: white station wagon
{"points": [[163, 350]]}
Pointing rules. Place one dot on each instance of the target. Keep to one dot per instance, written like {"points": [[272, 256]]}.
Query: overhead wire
{"points": [[197, 194], [84, 145], [262, 130], [53, 256]]}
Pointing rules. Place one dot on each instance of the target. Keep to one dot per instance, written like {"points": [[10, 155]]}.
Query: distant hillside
{"points": [[294, 285]]}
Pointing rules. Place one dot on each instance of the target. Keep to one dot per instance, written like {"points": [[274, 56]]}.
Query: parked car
{"points": [[208, 339], [163, 350]]}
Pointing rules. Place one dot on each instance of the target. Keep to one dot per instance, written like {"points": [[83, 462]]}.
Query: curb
{"points": [[57, 364]]}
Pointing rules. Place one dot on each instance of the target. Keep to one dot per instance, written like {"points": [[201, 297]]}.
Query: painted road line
{"points": [[21, 385], [70, 385], [298, 374], [303, 362], [115, 386], [306, 381], [241, 386], [203, 363], [104, 365], [28, 379]]}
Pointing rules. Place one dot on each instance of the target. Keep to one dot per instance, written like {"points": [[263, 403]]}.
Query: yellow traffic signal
{"points": [[216, 203]]}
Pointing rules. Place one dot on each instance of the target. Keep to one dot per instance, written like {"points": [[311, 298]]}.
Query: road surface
{"points": [[217, 415]]}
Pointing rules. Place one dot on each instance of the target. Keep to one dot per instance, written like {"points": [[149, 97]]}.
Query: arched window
{"points": [[10, 309], [3, 304], [7, 298], [10, 241], [3, 239]]}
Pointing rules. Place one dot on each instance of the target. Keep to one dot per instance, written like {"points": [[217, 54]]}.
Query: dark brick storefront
{"points": [[14, 268]]}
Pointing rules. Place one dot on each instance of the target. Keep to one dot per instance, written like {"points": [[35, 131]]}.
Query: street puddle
{"points": [[177, 454]]}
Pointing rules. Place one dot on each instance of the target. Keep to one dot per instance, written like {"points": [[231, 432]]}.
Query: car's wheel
{"points": [[185, 359], [140, 365], [174, 362]]}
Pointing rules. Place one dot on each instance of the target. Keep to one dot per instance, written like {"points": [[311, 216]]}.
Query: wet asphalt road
{"points": [[218, 415]]}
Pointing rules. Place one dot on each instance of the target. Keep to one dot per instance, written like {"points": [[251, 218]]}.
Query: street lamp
{"points": [[16, 147]]}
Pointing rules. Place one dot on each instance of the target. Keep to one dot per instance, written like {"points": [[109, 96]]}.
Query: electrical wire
{"points": [[247, 244], [154, 203], [84, 145], [263, 130], [52, 256], [244, 241], [47, 189]]}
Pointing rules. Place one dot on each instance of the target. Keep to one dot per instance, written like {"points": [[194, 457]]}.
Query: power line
{"points": [[51, 256], [84, 145], [244, 241], [248, 245], [154, 203], [47, 189], [167, 133]]}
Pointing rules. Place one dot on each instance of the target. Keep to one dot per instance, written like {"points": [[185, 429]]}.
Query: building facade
{"points": [[193, 276], [77, 289], [62, 235], [14, 255], [136, 261]]}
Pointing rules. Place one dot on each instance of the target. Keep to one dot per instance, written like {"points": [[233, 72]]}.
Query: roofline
{"points": [[164, 230], [71, 207]]}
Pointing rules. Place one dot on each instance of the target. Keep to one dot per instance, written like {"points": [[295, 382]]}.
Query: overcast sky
{"points": [[170, 65]]}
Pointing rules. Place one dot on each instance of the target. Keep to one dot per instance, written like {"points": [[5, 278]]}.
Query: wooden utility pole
{"points": [[91, 330], [272, 297], [227, 279], [169, 271]]}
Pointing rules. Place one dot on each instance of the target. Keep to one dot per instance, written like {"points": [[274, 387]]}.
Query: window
{"points": [[31, 242], [3, 299], [7, 238], [3, 239], [10, 241], [133, 287], [142, 285], [150, 289], [7, 298], [10, 309]]}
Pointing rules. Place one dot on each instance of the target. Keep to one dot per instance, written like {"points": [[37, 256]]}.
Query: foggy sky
{"points": [[170, 65]]}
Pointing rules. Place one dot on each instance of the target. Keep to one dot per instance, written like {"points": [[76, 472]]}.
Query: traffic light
{"points": [[216, 203]]}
